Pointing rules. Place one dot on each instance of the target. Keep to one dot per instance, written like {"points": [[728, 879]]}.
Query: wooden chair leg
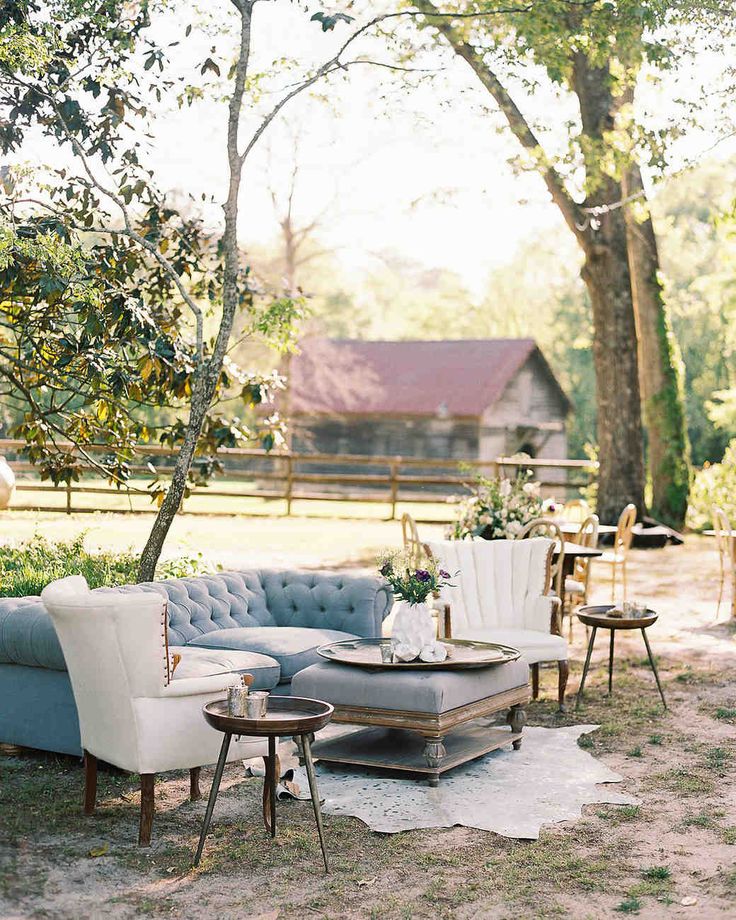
{"points": [[535, 681], [194, 790], [90, 783], [563, 673], [148, 781]]}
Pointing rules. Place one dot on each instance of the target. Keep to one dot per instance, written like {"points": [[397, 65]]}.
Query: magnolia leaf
{"points": [[329, 21], [98, 851]]}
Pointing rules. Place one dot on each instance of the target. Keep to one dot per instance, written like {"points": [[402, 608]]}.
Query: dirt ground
{"points": [[674, 855]]}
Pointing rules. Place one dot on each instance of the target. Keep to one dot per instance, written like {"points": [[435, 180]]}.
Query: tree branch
{"points": [[520, 127]]}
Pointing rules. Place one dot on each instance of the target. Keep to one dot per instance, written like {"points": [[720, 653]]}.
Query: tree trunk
{"points": [[606, 275], [206, 382], [660, 364]]}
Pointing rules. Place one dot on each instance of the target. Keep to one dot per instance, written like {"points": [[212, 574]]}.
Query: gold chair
{"points": [[576, 511], [410, 535], [544, 527], [576, 585], [726, 544], [618, 554]]}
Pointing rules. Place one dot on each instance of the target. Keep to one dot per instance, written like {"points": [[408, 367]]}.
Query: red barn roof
{"points": [[461, 377]]}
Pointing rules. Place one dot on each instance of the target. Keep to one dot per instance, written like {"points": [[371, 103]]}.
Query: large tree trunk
{"points": [[606, 275], [660, 365]]}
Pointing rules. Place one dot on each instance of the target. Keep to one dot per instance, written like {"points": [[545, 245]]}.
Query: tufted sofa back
{"points": [[271, 597], [262, 597]]}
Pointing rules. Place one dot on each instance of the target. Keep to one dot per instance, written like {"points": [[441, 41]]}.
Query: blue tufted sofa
{"points": [[266, 622]]}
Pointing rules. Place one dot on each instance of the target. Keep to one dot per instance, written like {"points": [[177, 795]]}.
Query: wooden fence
{"points": [[287, 477]]}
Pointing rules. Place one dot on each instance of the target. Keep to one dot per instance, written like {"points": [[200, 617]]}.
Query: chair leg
{"points": [[613, 583], [194, 790], [720, 596], [563, 669], [623, 570], [535, 681], [90, 783], [144, 832]]}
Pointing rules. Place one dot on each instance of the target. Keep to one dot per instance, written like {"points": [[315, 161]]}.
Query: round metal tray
{"points": [[461, 653], [597, 615], [286, 715]]}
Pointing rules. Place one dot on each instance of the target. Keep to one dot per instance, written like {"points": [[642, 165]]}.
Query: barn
{"points": [[455, 399]]}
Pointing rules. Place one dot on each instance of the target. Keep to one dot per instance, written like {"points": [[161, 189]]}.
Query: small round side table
{"points": [[597, 617], [286, 715]]}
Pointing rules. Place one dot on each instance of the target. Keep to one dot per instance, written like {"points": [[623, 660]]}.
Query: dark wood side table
{"points": [[597, 617], [287, 715]]}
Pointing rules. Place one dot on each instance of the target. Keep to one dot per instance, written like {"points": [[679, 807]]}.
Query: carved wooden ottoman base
{"points": [[431, 734]]}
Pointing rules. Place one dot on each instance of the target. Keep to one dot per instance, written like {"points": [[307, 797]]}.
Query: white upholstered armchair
{"points": [[501, 594], [132, 714]]}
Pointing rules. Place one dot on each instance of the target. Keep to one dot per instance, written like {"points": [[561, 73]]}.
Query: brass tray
{"points": [[461, 653]]}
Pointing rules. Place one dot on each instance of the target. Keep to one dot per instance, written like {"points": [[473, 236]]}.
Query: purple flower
{"points": [[422, 575], [444, 574]]}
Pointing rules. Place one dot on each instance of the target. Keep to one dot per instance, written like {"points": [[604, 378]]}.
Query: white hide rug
{"points": [[513, 793]]}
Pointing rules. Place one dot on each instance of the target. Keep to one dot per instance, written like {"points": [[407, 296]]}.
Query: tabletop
{"points": [[571, 528], [582, 552], [286, 715], [598, 616], [727, 533]]}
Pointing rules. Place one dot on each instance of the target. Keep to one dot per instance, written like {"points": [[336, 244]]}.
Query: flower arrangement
{"points": [[498, 508], [408, 582]]}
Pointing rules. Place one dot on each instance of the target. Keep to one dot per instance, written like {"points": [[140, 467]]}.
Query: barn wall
{"points": [[426, 438]]}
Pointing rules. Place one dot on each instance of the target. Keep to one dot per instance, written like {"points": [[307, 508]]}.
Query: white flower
{"points": [[513, 528], [505, 487]]}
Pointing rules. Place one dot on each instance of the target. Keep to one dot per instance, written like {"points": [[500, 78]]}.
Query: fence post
{"points": [[393, 466], [69, 497], [289, 484]]}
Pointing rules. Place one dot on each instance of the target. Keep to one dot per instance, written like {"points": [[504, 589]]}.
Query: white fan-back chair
{"points": [[500, 594], [132, 714]]}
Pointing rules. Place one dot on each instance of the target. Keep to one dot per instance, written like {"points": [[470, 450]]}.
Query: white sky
{"points": [[379, 147]]}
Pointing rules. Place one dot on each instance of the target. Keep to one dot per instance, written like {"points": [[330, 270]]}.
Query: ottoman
{"points": [[420, 721]]}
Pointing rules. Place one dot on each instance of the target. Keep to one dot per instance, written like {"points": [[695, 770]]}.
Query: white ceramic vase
{"points": [[413, 635], [7, 483]]}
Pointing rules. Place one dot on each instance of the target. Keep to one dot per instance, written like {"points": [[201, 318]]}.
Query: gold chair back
{"points": [[544, 527], [410, 535], [624, 529], [723, 531], [587, 536]]}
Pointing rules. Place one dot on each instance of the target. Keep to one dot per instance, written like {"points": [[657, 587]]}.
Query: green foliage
{"points": [[714, 484], [26, 568], [108, 292]]}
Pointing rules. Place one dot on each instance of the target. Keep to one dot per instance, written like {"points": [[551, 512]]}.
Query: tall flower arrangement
{"points": [[498, 508]]}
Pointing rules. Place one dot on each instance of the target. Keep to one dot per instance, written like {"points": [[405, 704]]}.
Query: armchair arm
{"points": [[191, 686], [555, 622]]}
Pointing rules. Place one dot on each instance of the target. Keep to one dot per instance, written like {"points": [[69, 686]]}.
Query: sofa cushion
{"points": [[27, 635], [293, 647], [201, 662], [534, 645], [432, 691]]}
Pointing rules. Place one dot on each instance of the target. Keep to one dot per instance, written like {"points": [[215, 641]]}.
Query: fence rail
{"points": [[289, 477]]}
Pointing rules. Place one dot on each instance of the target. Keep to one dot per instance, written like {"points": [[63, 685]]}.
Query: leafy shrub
{"points": [[26, 568], [714, 484]]}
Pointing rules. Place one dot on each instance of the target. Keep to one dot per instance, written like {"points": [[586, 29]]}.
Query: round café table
{"points": [[572, 528], [597, 617], [286, 715]]}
